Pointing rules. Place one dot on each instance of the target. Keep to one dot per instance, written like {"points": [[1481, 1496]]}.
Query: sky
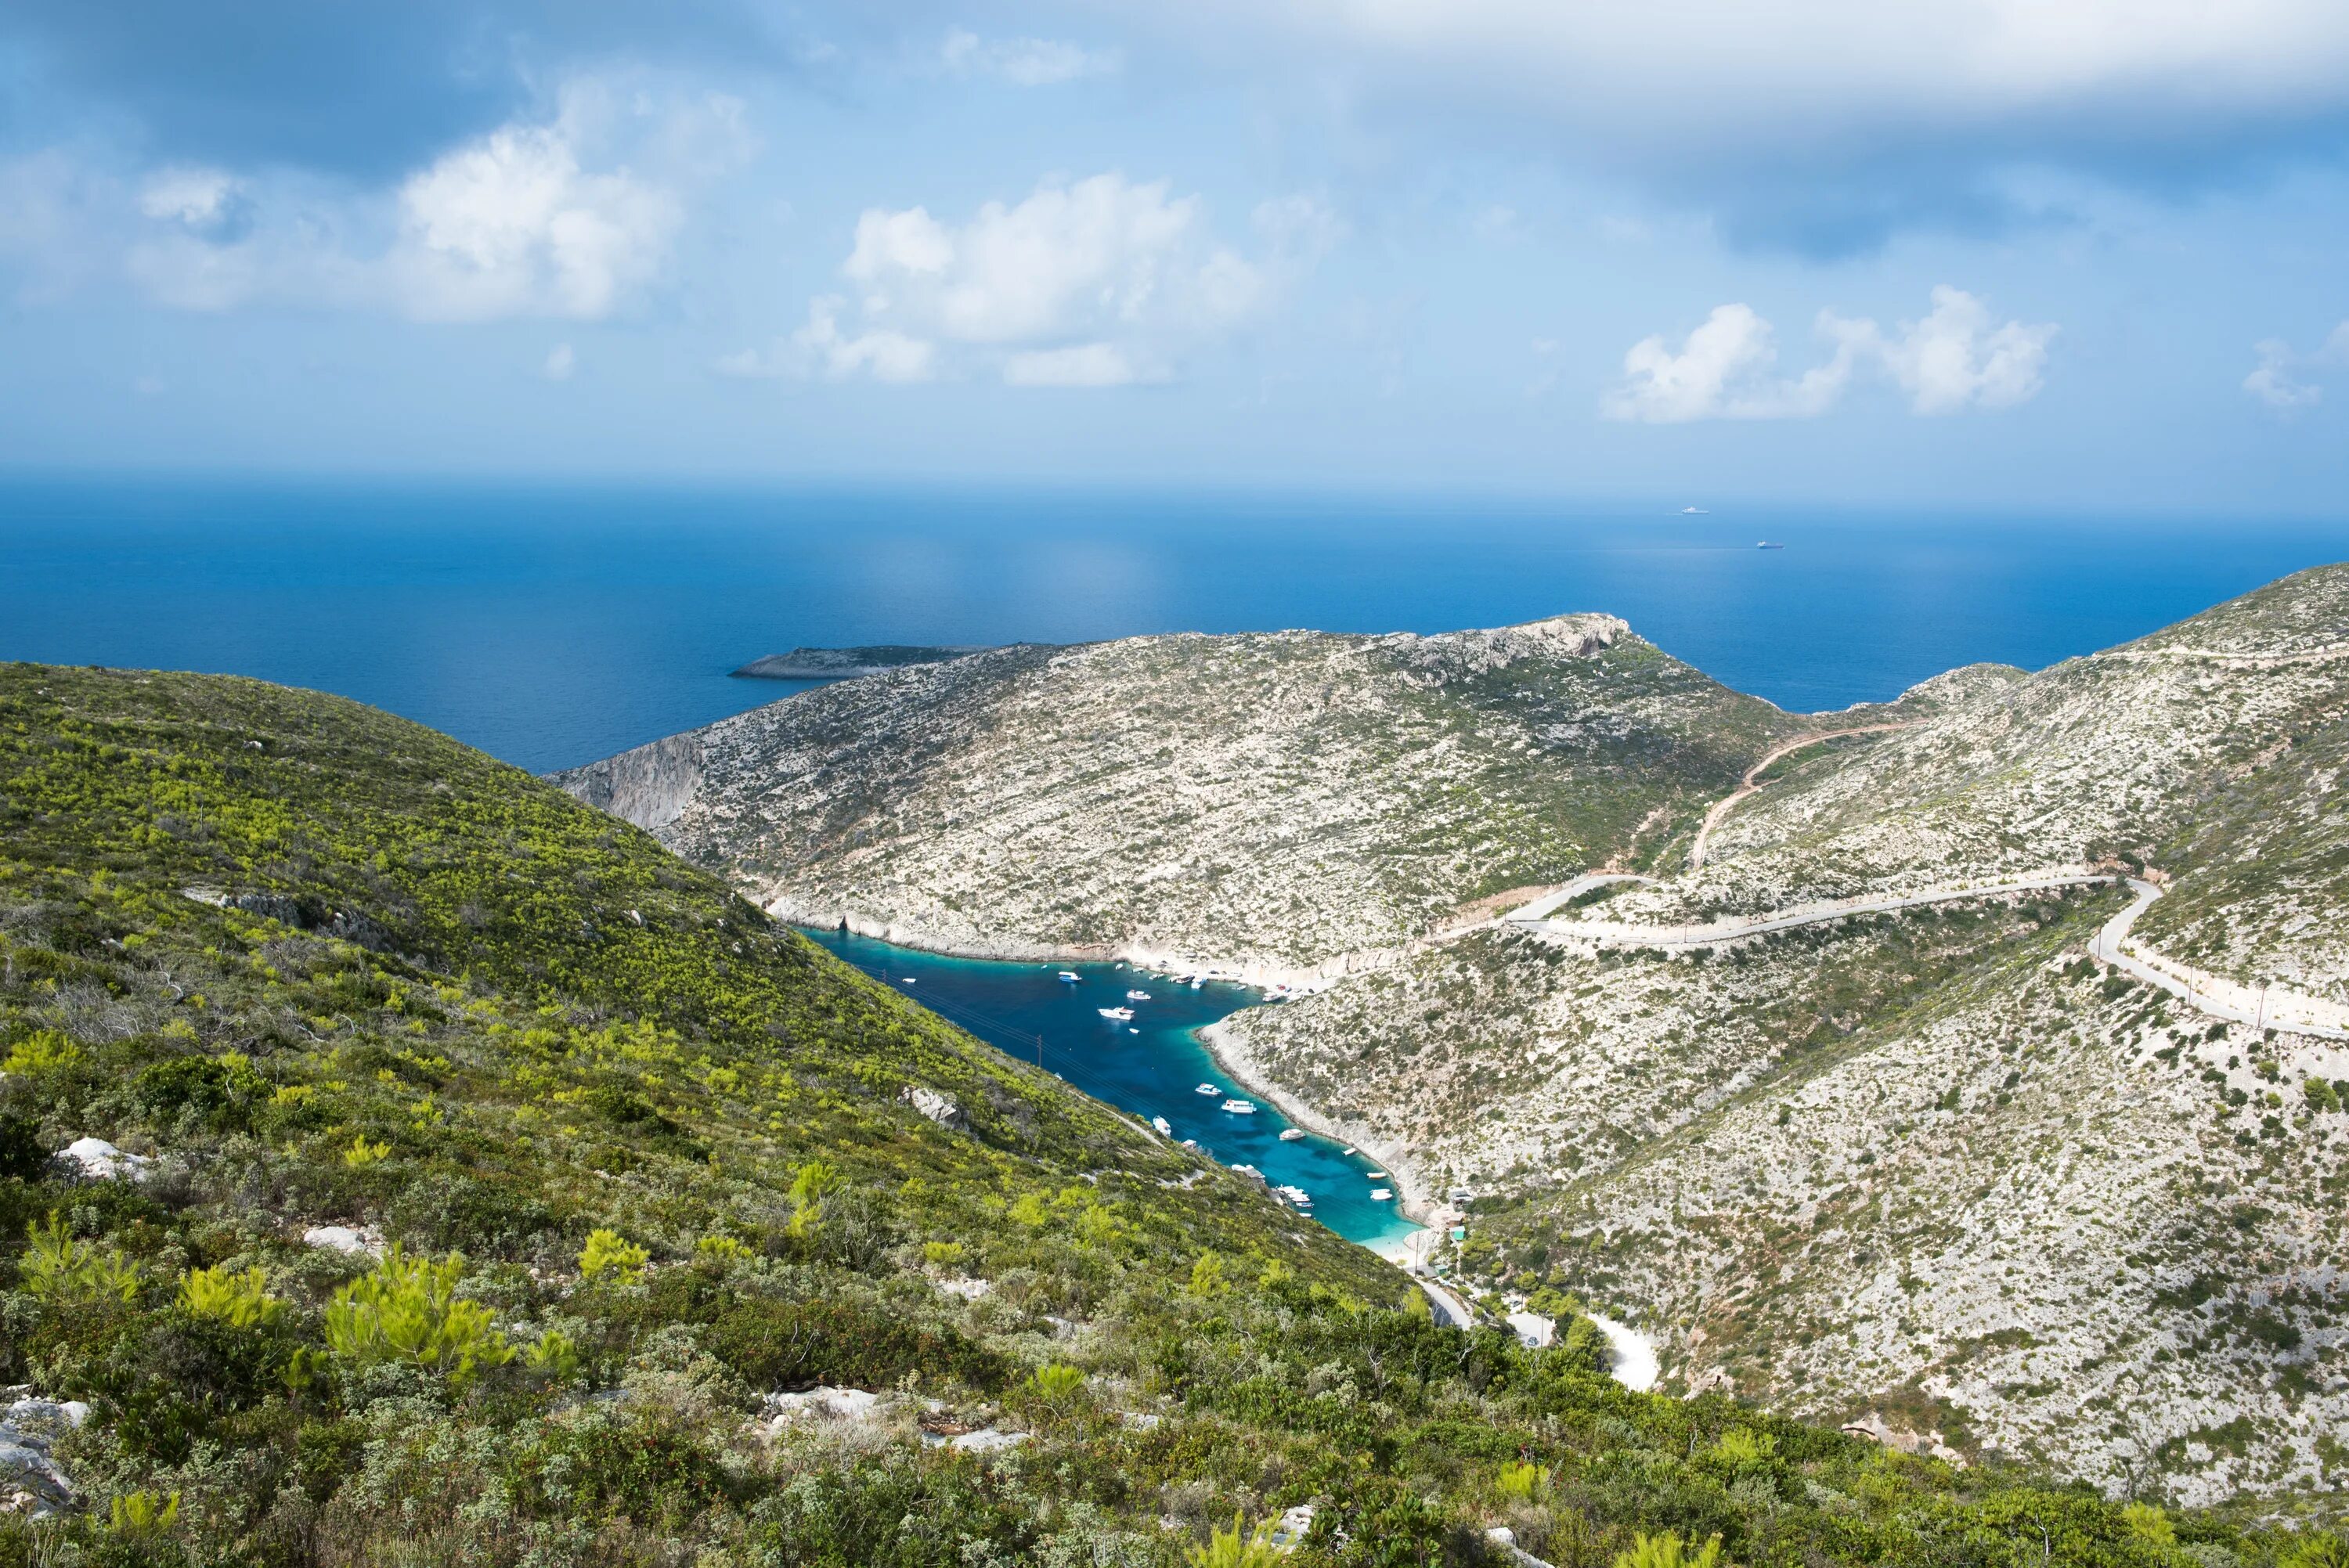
{"points": [[2012, 252]]}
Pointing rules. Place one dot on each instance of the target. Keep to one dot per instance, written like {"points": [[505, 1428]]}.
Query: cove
{"points": [[1150, 1066]]}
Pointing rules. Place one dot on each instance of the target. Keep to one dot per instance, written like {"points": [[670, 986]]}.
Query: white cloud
{"points": [[2282, 378], [1815, 70], [571, 214], [196, 199], [1951, 360], [1025, 62], [513, 225], [1099, 283], [1955, 359], [1723, 370], [560, 362], [883, 353]]}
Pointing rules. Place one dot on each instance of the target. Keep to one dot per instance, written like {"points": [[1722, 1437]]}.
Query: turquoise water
{"points": [[1151, 1067]]}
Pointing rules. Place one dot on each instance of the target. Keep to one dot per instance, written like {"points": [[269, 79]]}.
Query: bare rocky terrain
{"points": [[1933, 1167]]}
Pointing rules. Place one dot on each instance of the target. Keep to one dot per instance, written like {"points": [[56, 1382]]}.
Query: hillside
{"points": [[1931, 1165], [480, 1185], [1273, 802]]}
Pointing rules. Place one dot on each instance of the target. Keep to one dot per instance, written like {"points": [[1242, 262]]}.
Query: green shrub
{"points": [[242, 1300], [608, 1251], [59, 1270], [1238, 1547], [409, 1311], [774, 1345]]}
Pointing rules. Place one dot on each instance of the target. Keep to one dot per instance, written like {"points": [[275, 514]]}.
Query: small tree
{"points": [[409, 1311], [1668, 1550]]}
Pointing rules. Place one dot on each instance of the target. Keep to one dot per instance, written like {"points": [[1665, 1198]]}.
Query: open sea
{"points": [[551, 626]]}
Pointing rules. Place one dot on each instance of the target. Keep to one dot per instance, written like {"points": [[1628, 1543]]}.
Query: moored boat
{"points": [[1240, 1106]]}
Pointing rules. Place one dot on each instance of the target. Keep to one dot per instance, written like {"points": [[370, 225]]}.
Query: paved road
{"points": [[2259, 1006], [1451, 1312], [1618, 934]]}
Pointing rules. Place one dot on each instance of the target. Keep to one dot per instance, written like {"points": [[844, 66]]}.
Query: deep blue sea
{"points": [[552, 626], [1153, 1066]]}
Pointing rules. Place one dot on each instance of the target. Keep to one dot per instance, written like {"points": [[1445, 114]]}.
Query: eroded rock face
{"points": [[651, 787], [30, 1481]]}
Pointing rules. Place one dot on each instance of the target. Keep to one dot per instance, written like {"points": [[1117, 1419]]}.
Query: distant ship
{"points": [[1693, 512], [1766, 544]]}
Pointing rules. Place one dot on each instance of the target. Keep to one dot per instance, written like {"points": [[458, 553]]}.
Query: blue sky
{"points": [[1996, 252]]}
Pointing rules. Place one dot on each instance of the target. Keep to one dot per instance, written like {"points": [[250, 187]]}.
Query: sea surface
{"points": [[553, 626], [1152, 1065]]}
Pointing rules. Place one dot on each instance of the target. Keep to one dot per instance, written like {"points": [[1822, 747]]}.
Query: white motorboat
{"points": [[1206, 1088], [1160, 1123], [1120, 1014], [1297, 1195], [1291, 1134], [1380, 1195], [1068, 977], [1247, 1170], [1375, 1175], [1190, 1143], [1240, 1106], [1137, 995]]}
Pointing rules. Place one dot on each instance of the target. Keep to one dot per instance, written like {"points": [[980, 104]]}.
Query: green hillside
{"points": [[641, 1160]]}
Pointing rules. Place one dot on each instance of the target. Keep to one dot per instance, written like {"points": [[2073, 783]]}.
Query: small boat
{"points": [[1206, 1088], [1160, 1123], [1375, 1175], [1240, 1106], [1068, 977], [1131, 1030], [908, 980], [1380, 1195], [1137, 995], [1120, 1014], [1297, 1195], [1291, 1134], [1349, 1148], [1190, 1143], [1197, 982], [1766, 544]]}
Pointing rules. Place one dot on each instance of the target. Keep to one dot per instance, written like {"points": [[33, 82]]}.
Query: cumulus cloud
{"points": [[560, 362], [571, 214], [1025, 62], [2283, 378], [1099, 283], [1953, 359], [512, 225]]}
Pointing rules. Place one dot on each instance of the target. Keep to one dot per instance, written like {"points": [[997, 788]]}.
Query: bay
{"points": [[1151, 1065]]}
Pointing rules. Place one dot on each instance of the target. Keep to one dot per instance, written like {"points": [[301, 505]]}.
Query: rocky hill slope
{"points": [[1272, 802], [1930, 1167], [450, 1175]]}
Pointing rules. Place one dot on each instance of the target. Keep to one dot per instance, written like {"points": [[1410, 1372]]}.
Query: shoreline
{"points": [[1236, 1063], [1296, 979], [1242, 1067]]}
